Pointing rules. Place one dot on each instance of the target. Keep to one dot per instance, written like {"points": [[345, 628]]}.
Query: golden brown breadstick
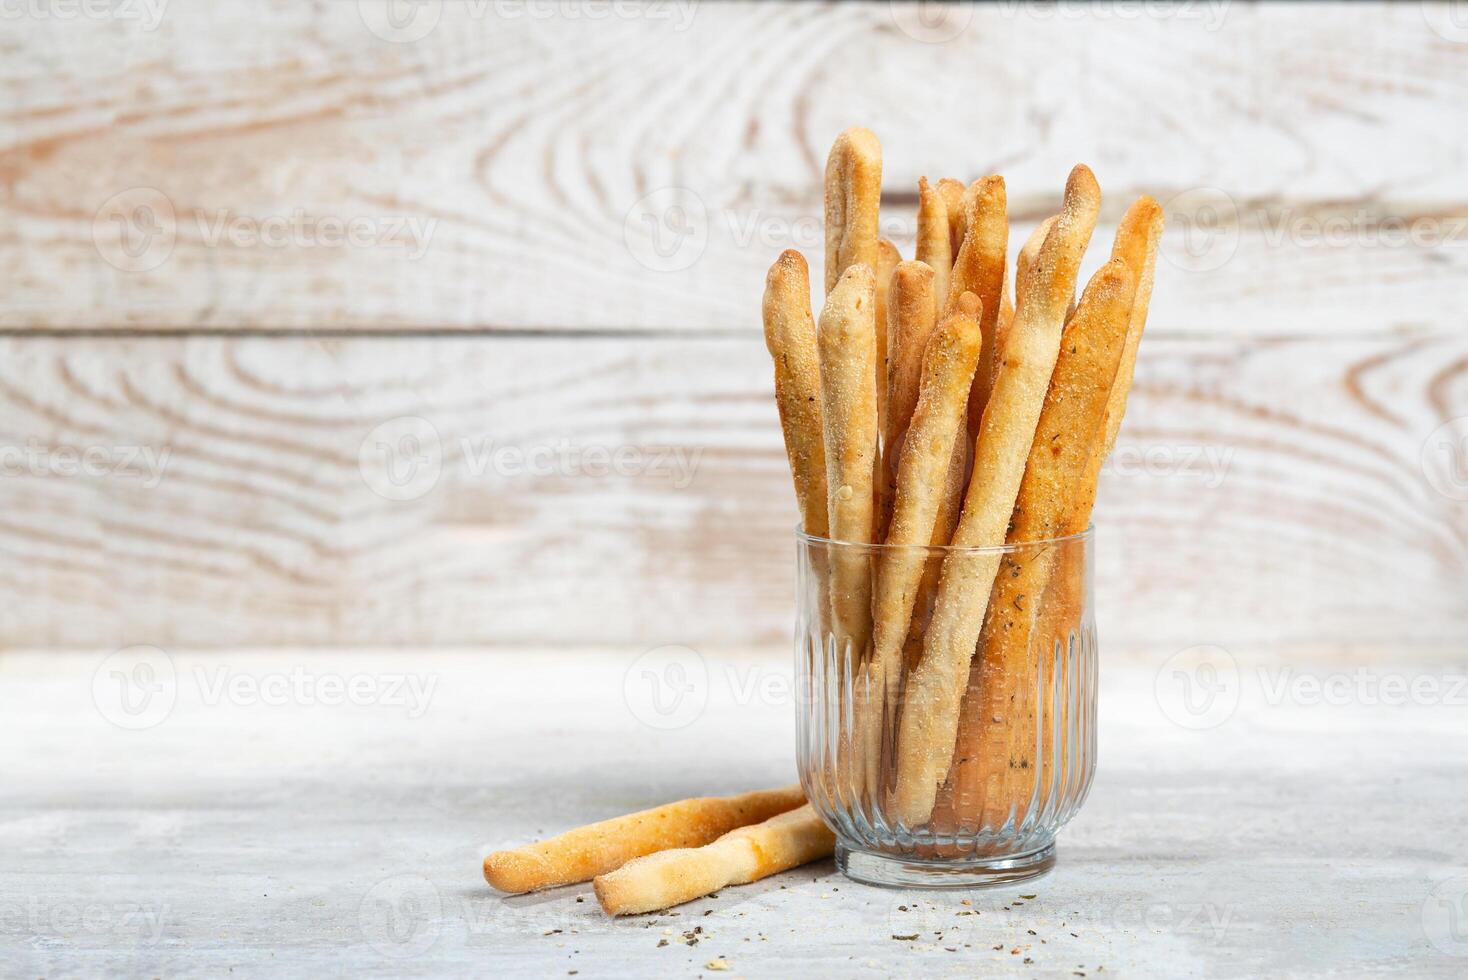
{"points": [[952, 192], [853, 195], [887, 259], [670, 878], [847, 344], [910, 321], [586, 852], [927, 453], [930, 713], [1137, 238], [1025, 261], [979, 269], [933, 244], [790, 335], [996, 753]]}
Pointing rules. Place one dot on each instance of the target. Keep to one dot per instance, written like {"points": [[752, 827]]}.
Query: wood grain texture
{"points": [[583, 171], [1263, 493]]}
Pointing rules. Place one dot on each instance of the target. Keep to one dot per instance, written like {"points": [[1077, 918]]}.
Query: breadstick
{"points": [[670, 878], [853, 194], [979, 269], [601, 847], [1137, 238], [847, 344], [930, 714], [887, 259], [790, 335], [952, 192], [933, 244], [996, 758], [910, 321], [927, 452]]}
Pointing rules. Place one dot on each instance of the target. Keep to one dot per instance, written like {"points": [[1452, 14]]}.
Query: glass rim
{"points": [[947, 549]]}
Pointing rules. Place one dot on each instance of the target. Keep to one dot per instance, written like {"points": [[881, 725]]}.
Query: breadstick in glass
{"points": [[1137, 239], [584, 853], [934, 692], [853, 195], [669, 878], [979, 269], [790, 335], [952, 192], [933, 244]]}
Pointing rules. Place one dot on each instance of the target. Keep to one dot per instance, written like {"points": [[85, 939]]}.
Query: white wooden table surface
{"points": [[257, 828]]}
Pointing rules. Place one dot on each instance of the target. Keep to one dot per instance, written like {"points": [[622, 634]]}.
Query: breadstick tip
{"points": [[970, 305], [1081, 186]]}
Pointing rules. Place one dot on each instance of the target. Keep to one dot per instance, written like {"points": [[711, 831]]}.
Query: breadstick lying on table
{"points": [[929, 725], [853, 196], [846, 339], [933, 244], [670, 878], [938, 422], [994, 768], [1137, 239], [584, 853], [790, 335]]}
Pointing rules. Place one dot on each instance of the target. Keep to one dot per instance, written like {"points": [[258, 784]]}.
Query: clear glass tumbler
{"points": [[948, 727]]}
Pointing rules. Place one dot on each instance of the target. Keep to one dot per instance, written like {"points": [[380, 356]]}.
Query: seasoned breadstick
{"points": [[670, 878], [1137, 238], [979, 269], [847, 344], [887, 259], [790, 335], [952, 191], [996, 744], [927, 452], [930, 714], [601, 847], [910, 321], [853, 194], [933, 244], [1025, 261]]}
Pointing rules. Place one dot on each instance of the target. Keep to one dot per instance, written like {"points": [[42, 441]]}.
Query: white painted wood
{"points": [[1309, 840], [503, 166], [1267, 494]]}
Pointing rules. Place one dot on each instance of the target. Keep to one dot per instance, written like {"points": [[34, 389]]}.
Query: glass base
{"points": [[887, 871]]}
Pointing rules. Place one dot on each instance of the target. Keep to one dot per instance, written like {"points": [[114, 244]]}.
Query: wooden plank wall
{"points": [[247, 245]]}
